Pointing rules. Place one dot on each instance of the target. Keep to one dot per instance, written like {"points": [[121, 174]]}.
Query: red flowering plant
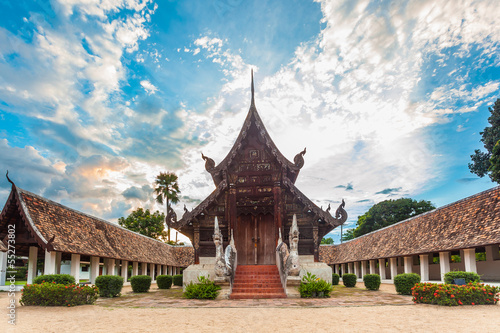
{"points": [[473, 293], [53, 294]]}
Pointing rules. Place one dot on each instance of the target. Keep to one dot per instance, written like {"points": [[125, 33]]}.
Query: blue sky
{"points": [[389, 97]]}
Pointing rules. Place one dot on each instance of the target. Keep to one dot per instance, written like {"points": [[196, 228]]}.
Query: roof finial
{"points": [[7, 175], [253, 100]]}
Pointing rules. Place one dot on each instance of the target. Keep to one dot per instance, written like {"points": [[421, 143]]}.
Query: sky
{"points": [[389, 97]]}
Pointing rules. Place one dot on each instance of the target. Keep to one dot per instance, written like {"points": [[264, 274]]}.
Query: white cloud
{"points": [[149, 87]]}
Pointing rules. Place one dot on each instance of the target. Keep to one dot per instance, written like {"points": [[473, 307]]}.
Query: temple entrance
{"points": [[255, 240]]}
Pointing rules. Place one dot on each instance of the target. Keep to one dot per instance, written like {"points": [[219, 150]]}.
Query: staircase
{"points": [[257, 281]]}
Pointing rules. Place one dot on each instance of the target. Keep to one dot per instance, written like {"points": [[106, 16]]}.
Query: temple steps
{"points": [[257, 281]]}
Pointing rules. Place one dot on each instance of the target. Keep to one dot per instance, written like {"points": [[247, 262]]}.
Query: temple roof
{"points": [[470, 222], [55, 227]]}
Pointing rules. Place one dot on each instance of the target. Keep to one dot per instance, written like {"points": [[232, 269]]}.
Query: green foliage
{"points": [[140, 283], [349, 280], [167, 190], [65, 279], [372, 281], [312, 286], [488, 163], [404, 282], [388, 212], [145, 223], [109, 285], [348, 235], [177, 279], [164, 281], [473, 293], [335, 279], [204, 289], [327, 241], [468, 276], [21, 273], [53, 294]]}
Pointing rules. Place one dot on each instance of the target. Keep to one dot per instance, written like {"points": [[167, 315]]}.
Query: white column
{"points": [[394, 267], [363, 268], [144, 268], [470, 260], [158, 270], [444, 263], [58, 262], [336, 268], [75, 267], [381, 269], [165, 270], [373, 267], [49, 266], [32, 259], [492, 253], [424, 267], [94, 269], [135, 268], [171, 270], [3, 268], [408, 264], [344, 268], [356, 269], [152, 271], [110, 267], [124, 270], [350, 268]]}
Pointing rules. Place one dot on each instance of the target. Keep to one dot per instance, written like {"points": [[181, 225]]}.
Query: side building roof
{"points": [[58, 228], [467, 223]]}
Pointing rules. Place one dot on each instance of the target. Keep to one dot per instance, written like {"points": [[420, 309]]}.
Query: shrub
{"points": [[140, 283], [468, 276], [164, 281], [109, 285], [311, 286], [21, 273], [204, 289], [473, 293], [177, 279], [335, 279], [349, 280], [53, 294], [65, 279], [404, 282], [372, 281]]}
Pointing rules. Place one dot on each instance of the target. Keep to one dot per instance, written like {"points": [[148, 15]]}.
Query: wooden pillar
{"points": [[196, 242], [32, 261], [424, 267], [381, 269], [232, 207], [316, 243], [278, 204]]}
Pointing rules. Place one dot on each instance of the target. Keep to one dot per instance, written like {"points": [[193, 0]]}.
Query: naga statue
{"points": [[230, 255], [209, 163], [340, 213], [298, 160], [220, 262], [171, 216], [293, 260]]}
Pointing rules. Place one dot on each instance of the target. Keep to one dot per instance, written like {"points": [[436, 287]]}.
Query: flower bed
{"points": [[472, 293], [53, 294]]}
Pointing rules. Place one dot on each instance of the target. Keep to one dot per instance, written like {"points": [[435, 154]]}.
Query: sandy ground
{"points": [[387, 318]]}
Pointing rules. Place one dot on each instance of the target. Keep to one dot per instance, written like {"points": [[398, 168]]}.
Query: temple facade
{"points": [[255, 197]]}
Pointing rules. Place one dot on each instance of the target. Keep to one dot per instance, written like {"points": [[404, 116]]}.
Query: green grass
{"points": [[20, 282]]}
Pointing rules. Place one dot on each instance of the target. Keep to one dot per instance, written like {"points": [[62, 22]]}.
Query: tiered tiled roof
{"points": [[470, 222], [59, 228]]}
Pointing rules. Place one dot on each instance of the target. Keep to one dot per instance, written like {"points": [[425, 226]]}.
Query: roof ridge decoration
{"points": [[252, 118]]}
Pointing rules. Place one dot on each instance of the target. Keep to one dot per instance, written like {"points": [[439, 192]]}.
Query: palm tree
{"points": [[167, 190]]}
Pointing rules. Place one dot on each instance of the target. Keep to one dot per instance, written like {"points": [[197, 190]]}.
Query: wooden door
{"points": [[255, 240]]}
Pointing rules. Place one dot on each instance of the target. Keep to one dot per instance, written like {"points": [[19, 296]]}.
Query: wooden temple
{"points": [[256, 196]]}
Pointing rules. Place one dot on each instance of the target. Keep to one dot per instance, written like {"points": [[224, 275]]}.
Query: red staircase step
{"points": [[257, 281]]}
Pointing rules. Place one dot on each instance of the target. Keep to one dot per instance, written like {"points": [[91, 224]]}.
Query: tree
{"points": [[145, 223], [348, 235], [167, 190], [388, 212], [327, 241], [488, 163]]}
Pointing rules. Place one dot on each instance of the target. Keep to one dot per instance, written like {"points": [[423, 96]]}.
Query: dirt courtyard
{"points": [[348, 310]]}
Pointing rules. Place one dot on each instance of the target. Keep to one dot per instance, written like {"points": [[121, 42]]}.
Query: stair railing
{"points": [[282, 255]]}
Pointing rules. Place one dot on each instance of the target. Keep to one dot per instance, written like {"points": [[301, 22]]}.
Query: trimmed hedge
{"points": [[404, 282], [468, 276], [53, 294], [109, 285], [140, 283], [65, 279], [372, 281], [335, 279], [164, 281], [177, 279], [473, 293], [349, 280], [204, 289]]}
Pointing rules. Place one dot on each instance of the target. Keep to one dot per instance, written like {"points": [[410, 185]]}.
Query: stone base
{"points": [[320, 269], [192, 273], [292, 287], [225, 288]]}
